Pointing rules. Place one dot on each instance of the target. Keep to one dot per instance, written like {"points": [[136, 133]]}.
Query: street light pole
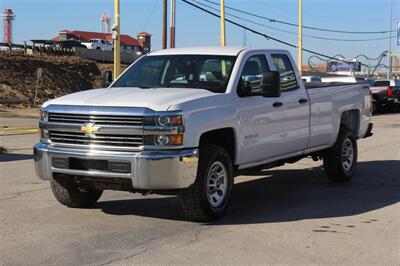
{"points": [[172, 26], [389, 71], [164, 25], [116, 40], [300, 39], [223, 34]]}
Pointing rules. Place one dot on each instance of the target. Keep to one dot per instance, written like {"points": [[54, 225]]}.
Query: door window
{"points": [[252, 73], [285, 68]]}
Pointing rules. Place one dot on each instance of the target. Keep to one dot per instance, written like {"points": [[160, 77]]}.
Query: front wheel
{"points": [[340, 161], [72, 195], [208, 198]]}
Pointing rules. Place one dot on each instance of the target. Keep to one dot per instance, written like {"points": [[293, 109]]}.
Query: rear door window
{"points": [[382, 83], [285, 68]]}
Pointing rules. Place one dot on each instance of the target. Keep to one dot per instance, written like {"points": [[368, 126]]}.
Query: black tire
{"points": [[69, 194], [195, 202], [336, 161]]}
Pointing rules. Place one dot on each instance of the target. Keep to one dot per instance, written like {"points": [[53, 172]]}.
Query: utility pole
{"points": [[164, 25], [223, 34], [389, 71], [300, 39], [116, 40], [172, 26]]}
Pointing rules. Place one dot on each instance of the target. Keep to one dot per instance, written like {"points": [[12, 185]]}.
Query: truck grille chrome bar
{"points": [[60, 137], [98, 119]]}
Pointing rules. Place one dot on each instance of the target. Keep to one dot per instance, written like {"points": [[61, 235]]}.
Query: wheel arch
{"points": [[225, 137], [351, 119]]}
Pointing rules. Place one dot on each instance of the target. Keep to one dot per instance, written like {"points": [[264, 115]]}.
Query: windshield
{"points": [[208, 72]]}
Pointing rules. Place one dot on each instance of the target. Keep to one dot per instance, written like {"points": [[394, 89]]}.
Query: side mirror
{"points": [[242, 89], [106, 78], [271, 84]]}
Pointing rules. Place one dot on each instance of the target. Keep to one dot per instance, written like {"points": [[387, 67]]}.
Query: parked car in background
{"points": [[309, 79], [345, 79], [99, 44], [386, 95]]}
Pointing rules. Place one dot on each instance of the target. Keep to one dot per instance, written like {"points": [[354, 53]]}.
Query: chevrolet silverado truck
{"points": [[186, 121]]}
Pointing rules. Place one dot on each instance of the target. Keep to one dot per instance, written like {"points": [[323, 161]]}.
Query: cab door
{"points": [[259, 120], [294, 109]]}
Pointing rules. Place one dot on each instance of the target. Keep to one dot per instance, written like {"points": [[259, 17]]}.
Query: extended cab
{"points": [[187, 121]]}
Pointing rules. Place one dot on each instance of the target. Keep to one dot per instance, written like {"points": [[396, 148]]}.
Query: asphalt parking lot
{"points": [[289, 215]]}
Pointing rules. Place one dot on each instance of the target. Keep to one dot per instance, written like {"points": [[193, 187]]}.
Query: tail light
{"points": [[390, 92]]}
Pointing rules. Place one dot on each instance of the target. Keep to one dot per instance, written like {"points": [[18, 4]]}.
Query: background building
{"points": [[142, 43]]}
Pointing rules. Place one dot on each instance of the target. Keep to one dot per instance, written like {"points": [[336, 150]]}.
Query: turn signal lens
{"points": [[176, 139], [176, 120]]}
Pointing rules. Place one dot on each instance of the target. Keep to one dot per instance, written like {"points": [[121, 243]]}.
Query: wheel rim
{"points": [[347, 155], [217, 184]]}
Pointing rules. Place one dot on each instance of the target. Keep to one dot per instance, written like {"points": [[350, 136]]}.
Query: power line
{"points": [[291, 32], [296, 25], [150, 15], [268, 37], [317, 15]]}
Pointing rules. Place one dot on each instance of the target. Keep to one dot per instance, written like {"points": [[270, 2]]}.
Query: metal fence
{"points": [[91, 54]]}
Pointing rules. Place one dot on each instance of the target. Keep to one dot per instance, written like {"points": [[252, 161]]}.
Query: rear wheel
{"points": [[72, 195], [208, 198], [340, 161]]}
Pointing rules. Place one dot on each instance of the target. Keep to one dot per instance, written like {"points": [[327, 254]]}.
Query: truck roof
{"points": [[233, 51]]}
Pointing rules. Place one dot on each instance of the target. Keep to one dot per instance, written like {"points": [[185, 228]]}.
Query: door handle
{"points": [[303, 100], [277, 104]]}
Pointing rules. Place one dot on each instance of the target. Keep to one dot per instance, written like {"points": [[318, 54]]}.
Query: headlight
{"points": [[43, 116], [161, 140], [164, 140], [164, 129], [169, 120]]}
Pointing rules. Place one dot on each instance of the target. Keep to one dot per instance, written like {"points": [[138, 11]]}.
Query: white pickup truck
{"points": [[187, 121], [99, 44]]}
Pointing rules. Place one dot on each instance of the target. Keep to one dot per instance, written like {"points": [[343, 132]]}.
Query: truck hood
{"points": [[159, 99]]}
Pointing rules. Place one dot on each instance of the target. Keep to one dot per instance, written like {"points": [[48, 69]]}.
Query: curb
{"points": [[18, 130]]}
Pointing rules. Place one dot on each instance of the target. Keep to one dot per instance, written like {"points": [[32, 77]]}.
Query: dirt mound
{"points": [[61, 76]]}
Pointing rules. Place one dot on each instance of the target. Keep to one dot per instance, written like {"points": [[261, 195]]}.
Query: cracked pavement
{"points": [[289, 215]]}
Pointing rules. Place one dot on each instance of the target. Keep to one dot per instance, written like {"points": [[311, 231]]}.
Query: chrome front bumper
{"points": [[164, 169]]}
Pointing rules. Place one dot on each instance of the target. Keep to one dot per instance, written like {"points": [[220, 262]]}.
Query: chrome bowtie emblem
{"points": [[89, 129]]}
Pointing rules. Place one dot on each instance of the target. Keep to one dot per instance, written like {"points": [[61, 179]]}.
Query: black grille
{"points": [[98, 119], [100, 139]]}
